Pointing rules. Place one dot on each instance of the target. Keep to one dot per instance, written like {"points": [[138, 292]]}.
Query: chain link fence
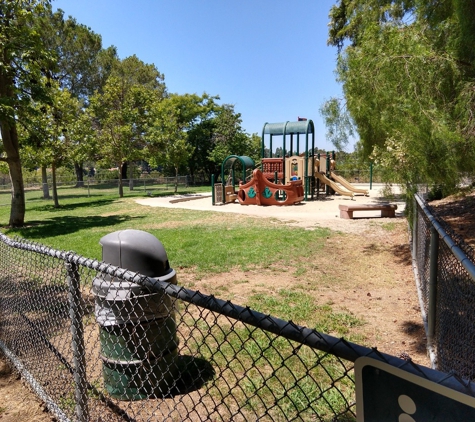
{"points": [[101, 343], [145, 182], [445, 274]]}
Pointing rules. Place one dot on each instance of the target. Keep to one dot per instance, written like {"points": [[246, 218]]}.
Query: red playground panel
{"points": [[260, 191], [272, 165]]}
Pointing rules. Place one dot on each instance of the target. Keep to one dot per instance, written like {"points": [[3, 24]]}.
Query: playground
{"points": [[310, 214], [284, 176]]}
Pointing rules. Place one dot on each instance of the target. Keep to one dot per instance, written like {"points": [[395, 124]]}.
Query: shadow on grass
{"points": [[59, 226], [74, 206]]}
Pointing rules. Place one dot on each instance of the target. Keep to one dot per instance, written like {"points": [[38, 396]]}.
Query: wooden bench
{"points": [[387, 210]]}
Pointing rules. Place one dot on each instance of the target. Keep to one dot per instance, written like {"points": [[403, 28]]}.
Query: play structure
{"points": [[260, 191], [285, 179]]}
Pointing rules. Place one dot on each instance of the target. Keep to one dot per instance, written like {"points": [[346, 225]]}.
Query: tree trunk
{"points": [[55, 189], [176, 180], [191, 180], [44, 182], [121, 187], [79, 175], [131, 176], [12, 150]]}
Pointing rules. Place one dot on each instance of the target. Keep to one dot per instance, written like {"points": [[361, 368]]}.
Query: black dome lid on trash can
{"points": [[137, 251]]}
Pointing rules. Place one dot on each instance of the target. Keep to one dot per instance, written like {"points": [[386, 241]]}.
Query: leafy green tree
{"points": [[122, 113], [83, 66], [230, 139], [197, 114], [48, 141], [169, 139], [408, 83], [134, 72], [340, 127], [118, 139], [24, 77], [183, 128]]}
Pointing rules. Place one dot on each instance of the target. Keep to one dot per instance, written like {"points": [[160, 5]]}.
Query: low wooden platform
{"points": [[387, 210]]}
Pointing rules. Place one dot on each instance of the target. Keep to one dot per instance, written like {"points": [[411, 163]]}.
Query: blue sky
{"points": [[267, 57]]}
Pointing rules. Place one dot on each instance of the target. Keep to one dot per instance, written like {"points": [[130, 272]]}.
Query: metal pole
{"points": [[414, 230], [370, 176], [77, 342], [433, 270], [327, 172], [213, 199]]}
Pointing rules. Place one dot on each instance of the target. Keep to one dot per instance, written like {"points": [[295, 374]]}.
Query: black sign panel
{"points": [[385, 393]]}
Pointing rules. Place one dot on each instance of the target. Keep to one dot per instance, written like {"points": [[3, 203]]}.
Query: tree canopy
{"points": [[65, 100], [408, 76]]}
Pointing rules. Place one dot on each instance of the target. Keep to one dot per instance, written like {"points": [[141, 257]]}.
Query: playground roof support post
{"points": [[290, 128]]}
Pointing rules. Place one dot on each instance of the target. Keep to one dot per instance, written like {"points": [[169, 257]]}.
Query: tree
{"points": [[169, 139], [409, 85], [340, 128], [83, 66], [48, 140], [196, 116], [117, 138], [184, 127], [24, 77], [122, 112], [229, 138]]}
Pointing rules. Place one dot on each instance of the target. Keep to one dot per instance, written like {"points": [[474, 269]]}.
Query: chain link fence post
{"points": [[433, 273], [77, 342], [415, 217]]}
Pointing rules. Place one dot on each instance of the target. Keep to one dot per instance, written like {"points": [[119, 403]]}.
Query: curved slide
{"points": [[348, 185], [333, 185]]}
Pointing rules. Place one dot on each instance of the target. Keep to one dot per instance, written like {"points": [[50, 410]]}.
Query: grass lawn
{"points": [[205, 241]]}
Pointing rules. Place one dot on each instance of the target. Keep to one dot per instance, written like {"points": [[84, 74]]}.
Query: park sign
{"points": [[386, 393]]}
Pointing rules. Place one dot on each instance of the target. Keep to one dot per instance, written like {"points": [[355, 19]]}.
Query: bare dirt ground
{"points": [[17, 402], [371, 256], [459, 212]]}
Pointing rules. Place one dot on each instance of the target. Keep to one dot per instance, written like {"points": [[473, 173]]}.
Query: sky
{"points": [[269, 58]]}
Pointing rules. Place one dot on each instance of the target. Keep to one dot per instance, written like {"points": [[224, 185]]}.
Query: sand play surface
{"points": [[323, 212]]}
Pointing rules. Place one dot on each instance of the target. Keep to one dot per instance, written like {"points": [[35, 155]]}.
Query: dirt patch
{"points": [[368, 275], [17, 402], [458, 213]]}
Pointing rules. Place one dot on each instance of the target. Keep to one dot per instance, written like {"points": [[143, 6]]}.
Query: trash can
{"points": [[137, 327]]}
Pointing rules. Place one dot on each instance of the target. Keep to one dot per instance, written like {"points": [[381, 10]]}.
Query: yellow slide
{"points": [[333, 185], [348, 185]]}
